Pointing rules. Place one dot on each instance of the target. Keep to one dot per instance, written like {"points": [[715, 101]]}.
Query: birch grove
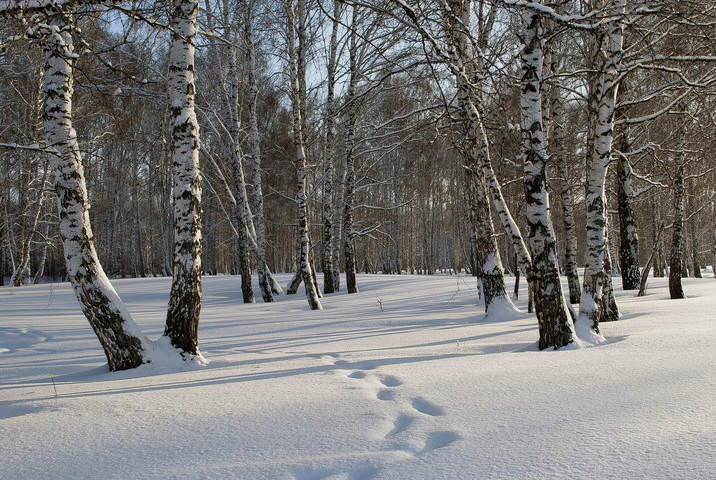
{"points": [[500, 139]]}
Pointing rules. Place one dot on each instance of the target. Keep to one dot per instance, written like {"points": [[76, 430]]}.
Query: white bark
{"points": [[297, 76], [256, 198], [328, 256], [123, 343], [555, 325], [603, 90], [185, 298]]}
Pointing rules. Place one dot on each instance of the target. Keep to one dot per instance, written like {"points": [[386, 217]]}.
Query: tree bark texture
{"points": [[254, 158], [119, 336], [298, 72], [185, 298], [628, 239], [676, 290], [349, 260], [241, 207], [475, 149], [489, 265], [555, 324], [329, 154], [602, 98]]}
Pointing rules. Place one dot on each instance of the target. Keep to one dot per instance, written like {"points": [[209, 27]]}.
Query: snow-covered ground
{"points": [[405, 380]]}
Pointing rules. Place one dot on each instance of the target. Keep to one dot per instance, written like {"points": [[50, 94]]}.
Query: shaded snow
{"points": [[426, 388]]}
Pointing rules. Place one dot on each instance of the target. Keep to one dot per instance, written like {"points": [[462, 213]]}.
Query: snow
{"points": [[423, 388]]}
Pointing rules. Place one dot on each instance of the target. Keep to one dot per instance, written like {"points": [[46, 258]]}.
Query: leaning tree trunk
{"points": [[628, 239], [602, 97], [488, 264], [123, 343], [555, 325], [185, 298]]}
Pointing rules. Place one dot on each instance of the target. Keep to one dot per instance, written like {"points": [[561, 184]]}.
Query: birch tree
{"points": [[185, 298], [603, 88], [296, 30], [124, 345], [556, 329]]}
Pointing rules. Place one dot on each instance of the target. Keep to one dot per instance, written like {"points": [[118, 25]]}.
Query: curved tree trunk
{"points": [[123, 343], [185, 298], [475, 149]]}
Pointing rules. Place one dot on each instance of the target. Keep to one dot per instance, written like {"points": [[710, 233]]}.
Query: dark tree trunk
{"points": [[489, 265], [610, 310], [677, 240], [349, 260], [628, 239], [247, 292]]}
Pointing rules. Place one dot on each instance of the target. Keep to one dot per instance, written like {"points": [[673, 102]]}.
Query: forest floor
{"points": [[405, 380]]}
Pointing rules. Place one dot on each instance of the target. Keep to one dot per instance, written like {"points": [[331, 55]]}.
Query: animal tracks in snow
{"points": [[427, 408], [402, 432]]}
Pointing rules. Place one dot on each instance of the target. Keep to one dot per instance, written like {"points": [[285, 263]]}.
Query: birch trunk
{"points": [[123, 343], [555, 325], [489, 269], [30, 209], [241, 207], [609, 304], [559, 158], [29, 232], [267, 283], [488, 263], [185, 298], [628, 239], [298, 79], [602, 98], [676, 290], [695, 265], [329, 176], [349, 182], [43, 258], [570, 232]]}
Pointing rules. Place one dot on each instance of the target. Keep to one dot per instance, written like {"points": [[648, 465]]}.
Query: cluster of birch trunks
{"points": [[395, 119]]}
